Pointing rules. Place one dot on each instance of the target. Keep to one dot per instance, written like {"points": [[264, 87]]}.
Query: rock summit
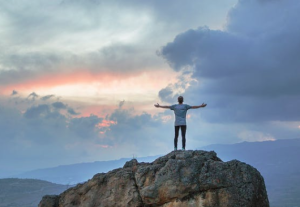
{"points": [[178, 179]]}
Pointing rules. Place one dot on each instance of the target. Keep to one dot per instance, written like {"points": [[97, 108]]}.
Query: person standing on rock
{"points": [[180, 111]]}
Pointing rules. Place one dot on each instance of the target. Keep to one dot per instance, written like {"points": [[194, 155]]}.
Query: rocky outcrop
{"points": [[178, 179]]}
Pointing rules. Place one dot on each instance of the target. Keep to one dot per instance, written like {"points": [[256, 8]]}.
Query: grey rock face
{"points": [[178, 179], [49, 200]]}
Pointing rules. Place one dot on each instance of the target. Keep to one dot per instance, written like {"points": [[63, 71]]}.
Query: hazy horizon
{"points": [[213, 147], [78, 79]]}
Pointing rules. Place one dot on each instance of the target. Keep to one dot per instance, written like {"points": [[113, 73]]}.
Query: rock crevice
{"points": [[178, 179]]}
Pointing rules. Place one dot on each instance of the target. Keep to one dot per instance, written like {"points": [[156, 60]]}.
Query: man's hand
{"points": [[159, 106], [200, 106], [203, 105]]}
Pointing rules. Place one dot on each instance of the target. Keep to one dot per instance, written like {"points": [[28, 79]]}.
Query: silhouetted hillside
{"points": [[26, 192]]}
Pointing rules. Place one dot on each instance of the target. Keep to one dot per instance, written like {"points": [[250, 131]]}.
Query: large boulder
{"points": [[178, 179]]}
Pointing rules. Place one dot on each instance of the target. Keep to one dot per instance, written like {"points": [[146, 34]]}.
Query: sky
{"points": [[78, 79]]}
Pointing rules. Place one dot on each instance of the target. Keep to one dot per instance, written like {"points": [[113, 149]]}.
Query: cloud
{"points": [[104, 15], [247, 72], [47, 97], [103, 36], [18, 67], [166, 94], [72, 111], [59, 105], [32, 96], [42, 133], [37, 111], [172, 91], [253, 136], [14, 92], [121, 104], [86, 127], [48, 134], [137, 130]]}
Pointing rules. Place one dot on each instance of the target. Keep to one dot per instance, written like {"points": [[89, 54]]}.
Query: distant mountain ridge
{"points": [[77, 173], [267, 155], [26, 192]]}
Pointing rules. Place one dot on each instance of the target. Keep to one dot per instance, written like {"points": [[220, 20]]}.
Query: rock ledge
{"points": [[178, 179]]}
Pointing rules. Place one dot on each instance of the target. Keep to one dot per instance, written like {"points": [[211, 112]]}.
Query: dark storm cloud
{"points": [[166, 94], [42, 135], [72, 111], [59, 105], [126, 117], [250, 71], [37, 111], [121, 104], [14, 92], [53, 108], [46, 111], [172, 91], [136, 130], [32, 96], [47, 97], [85, 127], [41, 132]]}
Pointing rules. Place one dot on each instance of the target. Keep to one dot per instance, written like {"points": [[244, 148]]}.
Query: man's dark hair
{"points": [[180, 99]]}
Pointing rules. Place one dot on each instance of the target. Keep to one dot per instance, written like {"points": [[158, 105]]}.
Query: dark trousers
{"points": [[183, 130]]}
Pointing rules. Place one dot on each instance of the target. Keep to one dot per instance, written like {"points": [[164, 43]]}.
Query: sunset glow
{"points": [[106, 123], [98, 88]]}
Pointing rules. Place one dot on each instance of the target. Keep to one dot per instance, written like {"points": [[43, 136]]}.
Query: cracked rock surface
{"points": [[178, 179]]}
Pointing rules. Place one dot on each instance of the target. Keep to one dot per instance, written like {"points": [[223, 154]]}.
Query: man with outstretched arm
{"points": [[180, 111]]}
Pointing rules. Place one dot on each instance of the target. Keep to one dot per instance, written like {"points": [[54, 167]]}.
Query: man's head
{"points": [[180, 99]]}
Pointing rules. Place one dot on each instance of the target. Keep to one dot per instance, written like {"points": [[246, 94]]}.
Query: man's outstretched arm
{"points": [[196, 107], [159, 106]]}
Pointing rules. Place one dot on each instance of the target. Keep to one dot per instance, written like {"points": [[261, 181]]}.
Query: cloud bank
{"points": [[46, 39], [250, 71], [49, 133]]}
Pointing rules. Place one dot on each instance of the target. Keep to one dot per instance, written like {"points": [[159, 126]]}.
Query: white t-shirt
{"points": [[180, 113]]}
